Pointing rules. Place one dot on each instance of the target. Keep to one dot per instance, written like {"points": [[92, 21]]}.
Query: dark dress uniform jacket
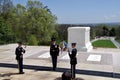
{"points": [[73, 59], [54, 50], [18, 52]]}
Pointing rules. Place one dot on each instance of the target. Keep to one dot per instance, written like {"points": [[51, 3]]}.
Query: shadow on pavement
{"points": [[8, 74], [59, 78], [78, 71], [34, 67]]}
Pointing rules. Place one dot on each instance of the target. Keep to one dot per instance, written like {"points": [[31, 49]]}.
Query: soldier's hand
{"points": [[21, 56]]}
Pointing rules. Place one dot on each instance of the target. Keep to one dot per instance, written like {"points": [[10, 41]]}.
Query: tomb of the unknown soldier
{"points": [[80, 36]]}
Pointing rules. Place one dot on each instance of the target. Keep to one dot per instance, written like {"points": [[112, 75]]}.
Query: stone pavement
{"points": [[37, 64]]}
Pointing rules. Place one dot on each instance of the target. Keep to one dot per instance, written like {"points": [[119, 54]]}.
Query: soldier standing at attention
{"points": [[19, 57], [73, 60], [54, 52]]}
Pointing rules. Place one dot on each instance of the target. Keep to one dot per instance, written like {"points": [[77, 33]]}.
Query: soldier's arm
{"points": [[16, 51], [23, 50], [58, 50], [75, 52]]}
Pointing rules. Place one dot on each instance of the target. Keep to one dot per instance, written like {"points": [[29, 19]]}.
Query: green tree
{"points": [[33, 40], [98, 31], [105, 31], [101, 30], [5, 7], [118, 32], [6, 34], [62, 31], [40, 21], [112, 32], [92, 33], [20, 22]]}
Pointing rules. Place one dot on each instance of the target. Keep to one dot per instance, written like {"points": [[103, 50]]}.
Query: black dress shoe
{"points": [[54, 69], [21, 72]]}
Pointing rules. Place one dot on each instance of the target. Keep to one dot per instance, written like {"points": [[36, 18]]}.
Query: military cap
{"points": [[53, 39], [73, 44], [19, 42]]}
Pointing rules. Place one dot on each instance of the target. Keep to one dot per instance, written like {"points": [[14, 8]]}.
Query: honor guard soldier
{"points": [[73, 60], [54, 52], [19, 57]]}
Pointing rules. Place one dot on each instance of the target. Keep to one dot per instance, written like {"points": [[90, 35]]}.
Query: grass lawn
{"points": [[118, 40], [104, 44]]}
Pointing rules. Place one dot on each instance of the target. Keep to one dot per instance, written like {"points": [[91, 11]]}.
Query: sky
{"points": [[82, 11]]}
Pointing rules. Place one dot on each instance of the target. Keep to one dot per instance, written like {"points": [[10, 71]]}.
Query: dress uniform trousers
{"points": [[20, 65], [54, 62]]}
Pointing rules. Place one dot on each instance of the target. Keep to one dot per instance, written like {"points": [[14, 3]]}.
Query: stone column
{"points": [[80, 36]]}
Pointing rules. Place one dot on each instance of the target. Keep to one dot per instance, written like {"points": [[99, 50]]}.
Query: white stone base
{"points": [[87, 48], [80, 36], [94, 58]]}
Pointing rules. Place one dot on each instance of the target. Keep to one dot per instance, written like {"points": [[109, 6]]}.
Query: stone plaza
{"points": [[98, 64]]}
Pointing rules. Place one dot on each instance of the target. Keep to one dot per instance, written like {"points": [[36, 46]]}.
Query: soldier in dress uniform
{"points": [[73, 60], [19, 57], [54, 52]]}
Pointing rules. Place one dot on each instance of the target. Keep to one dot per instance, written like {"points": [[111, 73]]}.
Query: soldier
{"points": [[19, 57], [54, 52], [73, 60]]}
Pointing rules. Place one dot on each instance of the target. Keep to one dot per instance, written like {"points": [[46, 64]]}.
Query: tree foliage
{"points": [[118, 32], [33, 40], [112, 32], [33, 21], [103, 30]]}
